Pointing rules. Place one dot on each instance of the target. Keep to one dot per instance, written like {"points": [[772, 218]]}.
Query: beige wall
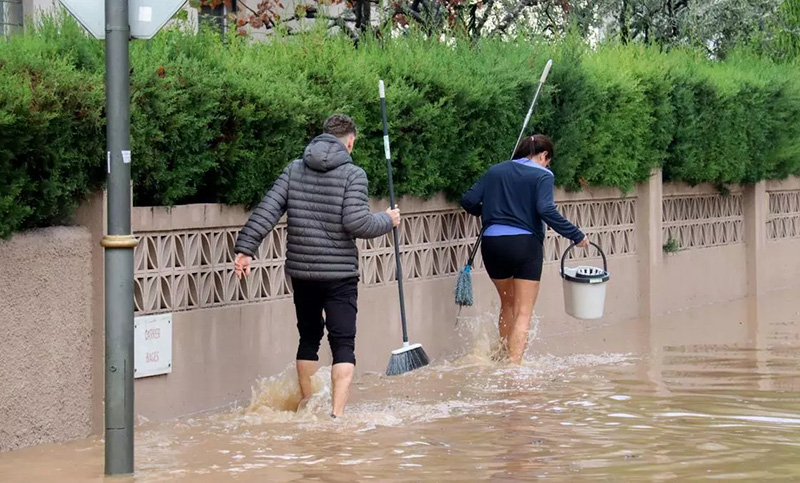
{"points": [[45, 337], [228, 334], [780, 263], [220, 353], [694, 278]]}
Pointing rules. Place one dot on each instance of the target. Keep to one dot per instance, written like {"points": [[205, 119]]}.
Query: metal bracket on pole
{"points": [[119, 241]]}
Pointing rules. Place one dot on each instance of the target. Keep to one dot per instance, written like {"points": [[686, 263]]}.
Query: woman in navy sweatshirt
{"points": [[515, 200]]}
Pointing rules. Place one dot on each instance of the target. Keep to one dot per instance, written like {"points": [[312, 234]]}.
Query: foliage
{"points": [[51, 126], [780, 40], [215, 120], [717, 27], [672, 246]]}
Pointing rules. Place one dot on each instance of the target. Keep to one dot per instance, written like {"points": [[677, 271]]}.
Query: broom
{"points": [[410, 356], [463, 291]]}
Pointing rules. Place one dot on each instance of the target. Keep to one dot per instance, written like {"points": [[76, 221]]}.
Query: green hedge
{"points": [[214, 122], [51, 129]]}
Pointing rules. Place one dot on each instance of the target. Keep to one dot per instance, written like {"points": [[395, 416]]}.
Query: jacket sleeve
{"points": [[265, 216], [356, 217], [472, 201], [547, 210]]}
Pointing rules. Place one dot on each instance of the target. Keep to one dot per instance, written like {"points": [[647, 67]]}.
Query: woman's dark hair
{"points": [[533, 145]]}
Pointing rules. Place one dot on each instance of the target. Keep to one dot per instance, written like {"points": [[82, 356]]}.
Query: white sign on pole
{"points": [[145, 17], [152, 345]]}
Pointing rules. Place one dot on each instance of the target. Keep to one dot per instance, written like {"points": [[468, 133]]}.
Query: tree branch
{"points": [[514, 13], [412, 13], [482, 22], [552, 25], [623, 23]]}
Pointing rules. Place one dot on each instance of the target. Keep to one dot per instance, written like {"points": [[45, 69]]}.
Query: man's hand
{"points": [[394, 214], [242, 265], [583, 243]]}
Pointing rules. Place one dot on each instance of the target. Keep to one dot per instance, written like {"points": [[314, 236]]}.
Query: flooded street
{"points": [[692, 399]]}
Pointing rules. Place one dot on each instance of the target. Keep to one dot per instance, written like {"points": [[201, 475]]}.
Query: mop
{"points": [[464, 281], [463, 290], [410, 356]]}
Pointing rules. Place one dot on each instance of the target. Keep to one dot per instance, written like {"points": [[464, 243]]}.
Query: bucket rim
{"points": [[592, 280]]}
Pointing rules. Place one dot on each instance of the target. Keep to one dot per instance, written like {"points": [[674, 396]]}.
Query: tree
{"points": [[715, 25], [476, 18], [787, 31], [722, 25], [216, 11]]}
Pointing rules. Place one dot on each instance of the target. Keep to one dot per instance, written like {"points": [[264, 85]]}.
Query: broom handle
{"points": [[388, 153], [542, 80], [533, 103]]}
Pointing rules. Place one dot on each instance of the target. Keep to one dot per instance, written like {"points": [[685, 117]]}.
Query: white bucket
{"points": [[584, 287]]}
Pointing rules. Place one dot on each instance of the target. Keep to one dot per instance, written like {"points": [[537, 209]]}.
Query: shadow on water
{"points": [[706, 393]]}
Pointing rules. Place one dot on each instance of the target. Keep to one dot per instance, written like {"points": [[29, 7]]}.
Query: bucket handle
{"points": [[572, 245]]}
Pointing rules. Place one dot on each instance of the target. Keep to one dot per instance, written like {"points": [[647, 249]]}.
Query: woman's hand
{"points": [[583, 243]]}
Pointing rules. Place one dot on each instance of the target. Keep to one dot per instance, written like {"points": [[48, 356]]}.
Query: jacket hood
{"points": [[325, 152]]}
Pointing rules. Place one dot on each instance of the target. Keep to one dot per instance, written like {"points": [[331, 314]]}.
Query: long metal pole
{"points": [[399, 263], [119, 245], [388, 152], [533, 103]]}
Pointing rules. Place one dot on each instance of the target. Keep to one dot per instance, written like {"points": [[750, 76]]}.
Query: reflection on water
{"points": [[711, 393]]}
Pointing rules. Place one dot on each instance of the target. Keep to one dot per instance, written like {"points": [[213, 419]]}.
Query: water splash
{"points": [[278, 397], [480, 336], [275, 400]]}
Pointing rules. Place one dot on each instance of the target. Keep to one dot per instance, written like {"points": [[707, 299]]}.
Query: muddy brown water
{"points": [[709, 393]]}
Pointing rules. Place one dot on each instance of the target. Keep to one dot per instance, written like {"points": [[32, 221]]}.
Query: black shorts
{"points": [[513, 256], [339, 300]]}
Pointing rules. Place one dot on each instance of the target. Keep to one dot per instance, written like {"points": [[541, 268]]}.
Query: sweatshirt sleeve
{"points": [[472, 201], [547, 210]]}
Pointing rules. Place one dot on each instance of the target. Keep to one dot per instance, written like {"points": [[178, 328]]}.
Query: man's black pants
{"points": [[339, 300]]}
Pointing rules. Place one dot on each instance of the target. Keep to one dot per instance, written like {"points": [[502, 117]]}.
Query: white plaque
{"points": [[145, 14], [152, 345]]}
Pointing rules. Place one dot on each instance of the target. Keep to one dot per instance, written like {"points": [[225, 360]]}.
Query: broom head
{"points": [[407, 359]]}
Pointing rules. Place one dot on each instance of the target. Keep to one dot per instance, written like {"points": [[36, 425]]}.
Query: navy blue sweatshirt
{"points": [[519, 195]]}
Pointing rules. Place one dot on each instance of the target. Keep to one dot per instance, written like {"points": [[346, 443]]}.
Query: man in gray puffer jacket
{"points": [[325, 195]]}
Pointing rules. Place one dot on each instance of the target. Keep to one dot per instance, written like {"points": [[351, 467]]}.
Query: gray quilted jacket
{"points": [[325, 195]]}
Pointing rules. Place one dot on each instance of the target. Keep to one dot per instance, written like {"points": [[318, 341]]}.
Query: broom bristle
{"points": [[463, 290], [406, 360]]}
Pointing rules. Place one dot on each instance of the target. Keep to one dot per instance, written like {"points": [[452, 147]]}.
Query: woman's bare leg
{"points": [[505, 289], [525, 294]]}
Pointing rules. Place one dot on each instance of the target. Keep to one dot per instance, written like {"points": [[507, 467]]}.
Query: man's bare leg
{"points": [[341, 377], [305, 370]]}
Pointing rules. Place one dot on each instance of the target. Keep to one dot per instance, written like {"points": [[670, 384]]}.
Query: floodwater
{"points": [[710, 393]]}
